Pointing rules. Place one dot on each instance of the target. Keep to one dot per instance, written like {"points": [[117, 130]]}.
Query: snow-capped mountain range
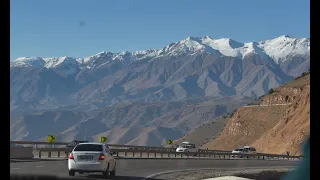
{"points": [[279, 50], [193, 67], [140, 97]]}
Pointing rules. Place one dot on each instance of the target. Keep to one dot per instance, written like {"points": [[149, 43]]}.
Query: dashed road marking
{"points": [[39, 166], [15, 168]]}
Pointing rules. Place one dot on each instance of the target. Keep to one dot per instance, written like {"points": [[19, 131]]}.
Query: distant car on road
{"points": [[186, 147], [243, 151], [92, 157], [70, 146]]}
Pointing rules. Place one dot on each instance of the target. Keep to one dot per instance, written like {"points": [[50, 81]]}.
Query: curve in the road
{"points": [[140, 169]]}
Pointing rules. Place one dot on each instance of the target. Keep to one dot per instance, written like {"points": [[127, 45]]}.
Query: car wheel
{"points": [[106, 173], [113, 172], [72, 173]]}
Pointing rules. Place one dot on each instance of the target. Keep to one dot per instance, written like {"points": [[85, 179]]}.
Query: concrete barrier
{"points": [[21, 152]]}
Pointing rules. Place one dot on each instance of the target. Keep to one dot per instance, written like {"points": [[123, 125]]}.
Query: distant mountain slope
{"points": [[130, 123], [193, 67], [270, 127]]}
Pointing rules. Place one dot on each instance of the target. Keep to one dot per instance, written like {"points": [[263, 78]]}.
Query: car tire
{"points": [[106, 173], [72, 173], [113, 172]]}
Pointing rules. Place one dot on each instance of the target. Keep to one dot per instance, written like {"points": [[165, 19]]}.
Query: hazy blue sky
{"points": [[81, 28]]}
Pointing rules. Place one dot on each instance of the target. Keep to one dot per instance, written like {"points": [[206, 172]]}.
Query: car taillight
{"points": [[71, 156], [101, 157]]}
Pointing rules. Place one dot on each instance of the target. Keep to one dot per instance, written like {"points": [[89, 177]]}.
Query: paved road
{"points": [[138, 169]]}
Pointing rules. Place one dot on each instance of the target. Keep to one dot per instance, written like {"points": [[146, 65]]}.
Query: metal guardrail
{"points": [[161, 154], [37, 144], [131, 149]]}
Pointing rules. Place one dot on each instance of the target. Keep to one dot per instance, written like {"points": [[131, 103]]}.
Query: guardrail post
{"points": [[125, 153], [175, 155], [224, 156], [58, 153], [133, 154], [140, 154], [117, 154], [148, 154], [181, 155], [40, 154], [161, 154], [263, 157], [155, 154], [49, 154], [168, 154]]}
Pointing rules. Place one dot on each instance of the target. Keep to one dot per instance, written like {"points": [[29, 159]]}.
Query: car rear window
{"points": [[88, 147]]}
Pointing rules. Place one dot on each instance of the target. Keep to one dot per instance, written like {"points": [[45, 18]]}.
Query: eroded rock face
{"points": [[279, 124]]}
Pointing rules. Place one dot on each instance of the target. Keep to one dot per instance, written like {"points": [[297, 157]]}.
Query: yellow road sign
{"points": [[103, 139], [169, 141], [51, 138]]}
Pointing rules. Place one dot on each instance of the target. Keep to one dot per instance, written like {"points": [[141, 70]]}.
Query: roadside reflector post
{"points": [[40, 154], [58, 153], [49, 154], [175, 155], [263, 157], [117, 154]]}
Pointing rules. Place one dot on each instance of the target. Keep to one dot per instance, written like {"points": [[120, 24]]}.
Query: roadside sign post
{"points": [[52, 139], [103, 139], [169, 141]]}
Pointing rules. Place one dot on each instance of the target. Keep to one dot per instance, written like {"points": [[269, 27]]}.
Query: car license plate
{"points": [[86, 157]]}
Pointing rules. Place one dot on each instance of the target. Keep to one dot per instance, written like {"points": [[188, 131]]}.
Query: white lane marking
{"points": [[15, 168], [39, 166]]}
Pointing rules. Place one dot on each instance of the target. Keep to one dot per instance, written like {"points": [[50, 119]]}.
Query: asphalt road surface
{"points": [[138, 169]]}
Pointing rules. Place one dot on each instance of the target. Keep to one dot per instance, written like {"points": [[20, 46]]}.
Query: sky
{"points": [[81, 28]]}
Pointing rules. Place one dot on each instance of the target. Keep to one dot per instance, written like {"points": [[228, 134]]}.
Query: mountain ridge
{"points": [[216, 45], [194, 71]]}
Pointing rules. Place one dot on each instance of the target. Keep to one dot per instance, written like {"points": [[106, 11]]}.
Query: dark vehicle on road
{"points": [[70, 146]]}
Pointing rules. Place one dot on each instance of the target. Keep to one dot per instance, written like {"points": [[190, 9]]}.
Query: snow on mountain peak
{"points": [[283, 47], [28, 61], [279, 49]]}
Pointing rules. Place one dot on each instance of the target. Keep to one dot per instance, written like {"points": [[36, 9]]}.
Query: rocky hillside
{"points": [[280, 123]]}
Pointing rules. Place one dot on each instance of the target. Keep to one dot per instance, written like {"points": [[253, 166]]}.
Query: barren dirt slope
{"points": [[270, 127]]}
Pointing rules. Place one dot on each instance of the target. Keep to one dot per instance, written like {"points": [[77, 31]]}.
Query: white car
{"points": [[186, 147], [92, 157], [243, 151], [237, 151]]}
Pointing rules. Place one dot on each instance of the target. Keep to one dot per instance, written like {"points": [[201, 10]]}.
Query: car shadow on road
{"points": [[98, 176]]}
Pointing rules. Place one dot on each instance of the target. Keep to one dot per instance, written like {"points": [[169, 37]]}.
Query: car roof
{"points": [[96, 143]]}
